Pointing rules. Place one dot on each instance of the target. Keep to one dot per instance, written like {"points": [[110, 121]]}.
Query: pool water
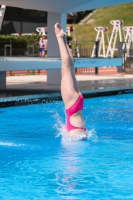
{"points": [[35, 164]]}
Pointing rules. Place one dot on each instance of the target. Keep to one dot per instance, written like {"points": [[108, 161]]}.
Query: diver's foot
{"points": [[76, 135], [59, 31]]}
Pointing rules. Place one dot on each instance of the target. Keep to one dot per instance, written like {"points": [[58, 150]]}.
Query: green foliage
{"points": [[102, 17], [21, 41]]}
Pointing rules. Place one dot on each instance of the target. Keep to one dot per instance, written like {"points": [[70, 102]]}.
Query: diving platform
{"points": [[33, 63], [53, 65]]}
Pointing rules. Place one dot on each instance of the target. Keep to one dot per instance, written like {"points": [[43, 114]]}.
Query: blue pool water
{"points": [[35, 164]]}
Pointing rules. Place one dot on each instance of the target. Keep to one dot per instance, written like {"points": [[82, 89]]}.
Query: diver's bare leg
{"points": [[69, 86]]}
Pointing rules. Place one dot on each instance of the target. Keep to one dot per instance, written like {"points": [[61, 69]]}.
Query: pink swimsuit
{"points": [[74, 109]]}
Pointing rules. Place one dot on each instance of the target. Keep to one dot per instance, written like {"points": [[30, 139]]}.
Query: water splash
{"points": [[10, 144], [61, 129]]}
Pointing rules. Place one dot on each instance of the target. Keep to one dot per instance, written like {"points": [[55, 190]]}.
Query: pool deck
{"points": [[86, 82], [36, 87]]}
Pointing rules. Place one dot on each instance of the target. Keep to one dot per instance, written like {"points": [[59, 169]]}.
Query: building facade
{"points": [[18, 20]]}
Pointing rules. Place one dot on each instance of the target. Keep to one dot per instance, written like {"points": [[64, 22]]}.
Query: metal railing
{"points": [[13, 48], [79, 49], [128, 61]]}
